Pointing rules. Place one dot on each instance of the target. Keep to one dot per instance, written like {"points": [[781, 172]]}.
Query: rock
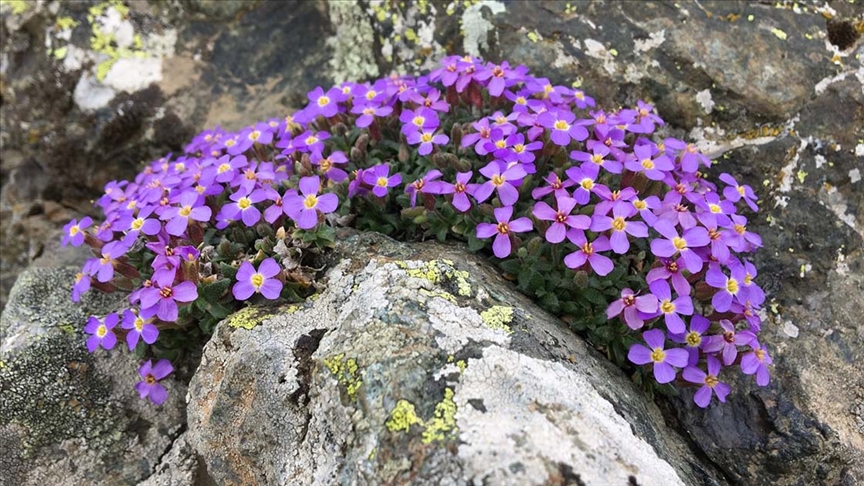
{"points": [[68, 417], [419, 364]]}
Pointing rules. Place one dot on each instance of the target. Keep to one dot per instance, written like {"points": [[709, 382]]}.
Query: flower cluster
{"points": [[588, 212]]}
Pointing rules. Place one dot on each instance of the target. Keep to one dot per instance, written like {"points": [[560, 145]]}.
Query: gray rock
{"points": [[68, 417], [419, 364]]}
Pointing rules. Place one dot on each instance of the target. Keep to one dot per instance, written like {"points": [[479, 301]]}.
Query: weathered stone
{"points": [[68, 417], [419, 364]]}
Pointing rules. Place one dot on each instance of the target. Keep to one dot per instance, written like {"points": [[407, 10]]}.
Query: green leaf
{"points": [[214, 291], [475, 244], [228, 271], [593, 296]]}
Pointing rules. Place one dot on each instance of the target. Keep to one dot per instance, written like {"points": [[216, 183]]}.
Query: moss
{"points": [[402, 417], [498, 317], [346, 371], [443, 425]]}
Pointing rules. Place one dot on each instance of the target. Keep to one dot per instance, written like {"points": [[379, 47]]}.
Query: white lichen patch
{"points": [[833, 199], [705, 101], [476, 28], [654, 40], [570, 424], [854, 175], [598, 51], [352, 44], [134, 74], [859, 150], [820, 161], [789, 329]]}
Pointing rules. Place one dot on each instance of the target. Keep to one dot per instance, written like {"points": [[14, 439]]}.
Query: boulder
{"points": [[419, 364]]}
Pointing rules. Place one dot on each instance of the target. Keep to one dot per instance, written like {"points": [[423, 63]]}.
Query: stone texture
{"points": [[419, 364], [68, 417]]}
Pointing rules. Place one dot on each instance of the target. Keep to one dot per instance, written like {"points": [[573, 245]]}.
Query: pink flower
{"points": [[262, 281], [709, 381], [663, 359], [102, 333], [304, 208], [501, 246]]}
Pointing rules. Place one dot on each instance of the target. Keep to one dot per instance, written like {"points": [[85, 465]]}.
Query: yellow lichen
{"points": [[498, 317], [801, 176], [462, 365], [533, 37], [64, 23], [443, 425], [779, 33], [247, 318], [18, 6], [346, 372], [402, 417], [444, 295]]}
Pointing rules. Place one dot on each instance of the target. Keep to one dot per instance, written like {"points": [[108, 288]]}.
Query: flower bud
{"points": [[404, 154], [456, 135]]}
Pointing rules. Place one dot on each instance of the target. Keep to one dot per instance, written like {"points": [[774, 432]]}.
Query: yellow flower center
{"points": [[254, 135], [760, 354], [200, 189], [587, 184], [711, 381], [715, 208], [588, 249], [312, 139], [618, 224], [244, 203], [521, 100], [101, 331], [426, 137], [748, 279], [74, 230], [418, 121], [137, 224], [382, 182], [257, 280], [166, 292], [639, 204], [230, 143], [185, 211], [562, 125], [648, 164], [497, 180], [371, 94], [667, 307], [658, 355], [518, 148], [597, 159], [132, 204], [78, 277], [180, 167], [326, 165], [548, 88], [310, 202], [139, 324], [732, 286], [740, 190], [503, 228], [679, 243], [369, 111], [579, 95], [501, 144], [740, 229], [693, 339], [323, 101]]}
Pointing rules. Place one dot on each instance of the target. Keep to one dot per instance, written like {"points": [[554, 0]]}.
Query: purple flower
{"points": [[501, 182], [262, 281], [480, 138], [368, 113], [562, 127], [742, 240], [460, 190], [671, 308], [149, 387], [633, 306], [178, 218], [735, 193], [654, 169], [692, 238], [226, 167], [500, 76], [727, 343], [709, 381], [82, 285], [140, 325], [584, 177], [598, 158], [663, 359], [243, 207], [587, 251], [101, 332], [556, 185], [327, 167], [693, 339], [730, 287], [73, 232], [620, 227], [103, 267], [757, 362], [304, 208], [562, 219], [670, 268], [426, 185], [164, 294], [422, 119], [502, 231], [426, 139], [380, 179], [323, 104]]}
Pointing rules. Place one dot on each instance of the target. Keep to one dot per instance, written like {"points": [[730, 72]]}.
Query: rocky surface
{"points": [[68, 417], [773, 90], [418, 364]]}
